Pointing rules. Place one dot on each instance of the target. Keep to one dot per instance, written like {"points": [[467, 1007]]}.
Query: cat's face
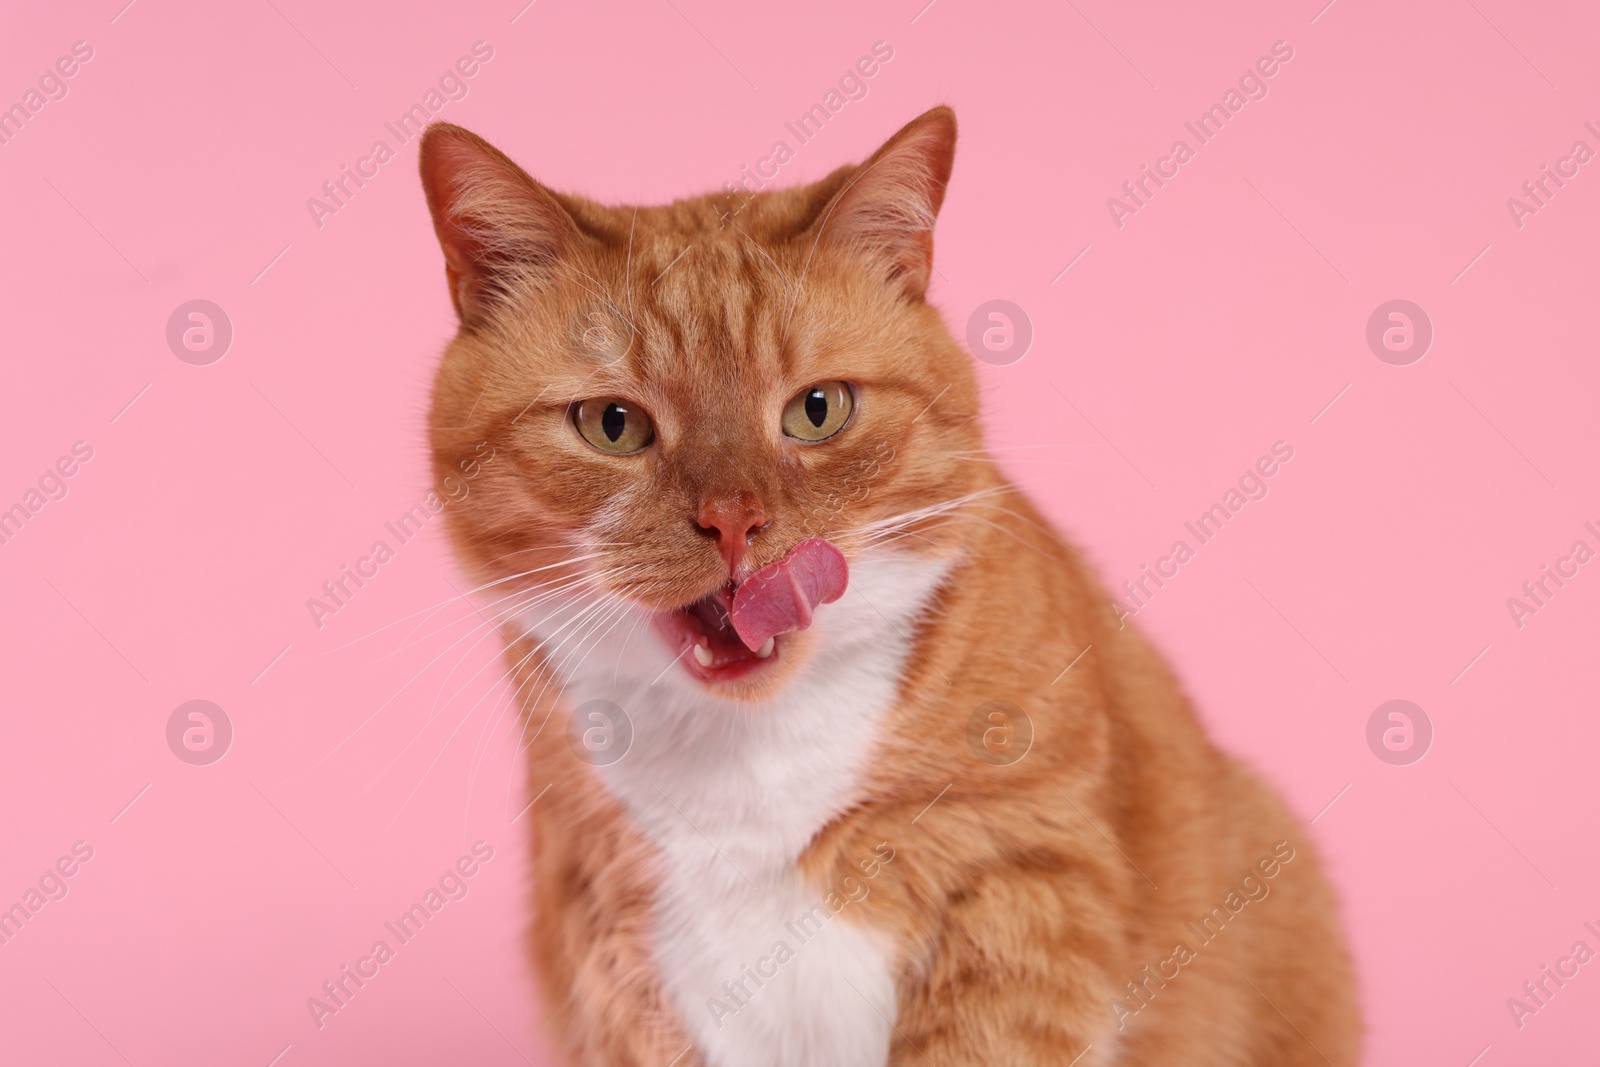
{"points": [[675, 397]]}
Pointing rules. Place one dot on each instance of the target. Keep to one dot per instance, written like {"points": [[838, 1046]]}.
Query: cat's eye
{"points": [[818, 412], [613, 425]]}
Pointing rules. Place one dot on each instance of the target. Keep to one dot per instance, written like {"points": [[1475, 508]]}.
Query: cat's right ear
{"points": [[501, 231]]}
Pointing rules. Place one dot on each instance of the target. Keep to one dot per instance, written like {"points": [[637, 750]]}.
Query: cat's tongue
{"points": [[781, 596]]}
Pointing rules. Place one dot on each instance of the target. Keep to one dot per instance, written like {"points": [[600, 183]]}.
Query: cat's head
{"points": [[647, 406]]}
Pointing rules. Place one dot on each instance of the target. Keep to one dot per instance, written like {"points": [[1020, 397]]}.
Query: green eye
{"points": [[613, 425], [818, 412]]}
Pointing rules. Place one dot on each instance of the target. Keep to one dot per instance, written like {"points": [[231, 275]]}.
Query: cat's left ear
{"points": [[885, 212], [501, 231]]}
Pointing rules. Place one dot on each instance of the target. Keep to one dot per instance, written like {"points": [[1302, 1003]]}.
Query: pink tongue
{"points": [[780, 596]]}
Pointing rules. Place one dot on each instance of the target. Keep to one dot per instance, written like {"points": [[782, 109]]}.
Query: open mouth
{"points": [[707, 642], [735, 630]]}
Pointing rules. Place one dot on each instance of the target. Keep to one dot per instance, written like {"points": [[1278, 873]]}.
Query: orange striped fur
{"points": [[1025, 901]]}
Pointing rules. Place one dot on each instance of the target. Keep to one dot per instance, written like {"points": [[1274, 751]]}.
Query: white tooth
{"points": [[766, 648], [703, 654]]}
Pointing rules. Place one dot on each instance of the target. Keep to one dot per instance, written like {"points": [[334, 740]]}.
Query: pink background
{"points": [[1224, 316]]}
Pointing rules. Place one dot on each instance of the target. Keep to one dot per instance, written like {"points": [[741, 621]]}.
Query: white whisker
{"points": [[437, 708], [463, 596]]}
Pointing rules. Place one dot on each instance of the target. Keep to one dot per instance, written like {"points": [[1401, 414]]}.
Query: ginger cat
{"points": [[762, 590]]}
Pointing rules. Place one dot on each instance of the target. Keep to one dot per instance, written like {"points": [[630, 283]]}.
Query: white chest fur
{"points": [[763, 972]]}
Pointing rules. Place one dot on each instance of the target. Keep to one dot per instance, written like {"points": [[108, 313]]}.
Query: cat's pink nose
{"points": [[735, 518]]}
